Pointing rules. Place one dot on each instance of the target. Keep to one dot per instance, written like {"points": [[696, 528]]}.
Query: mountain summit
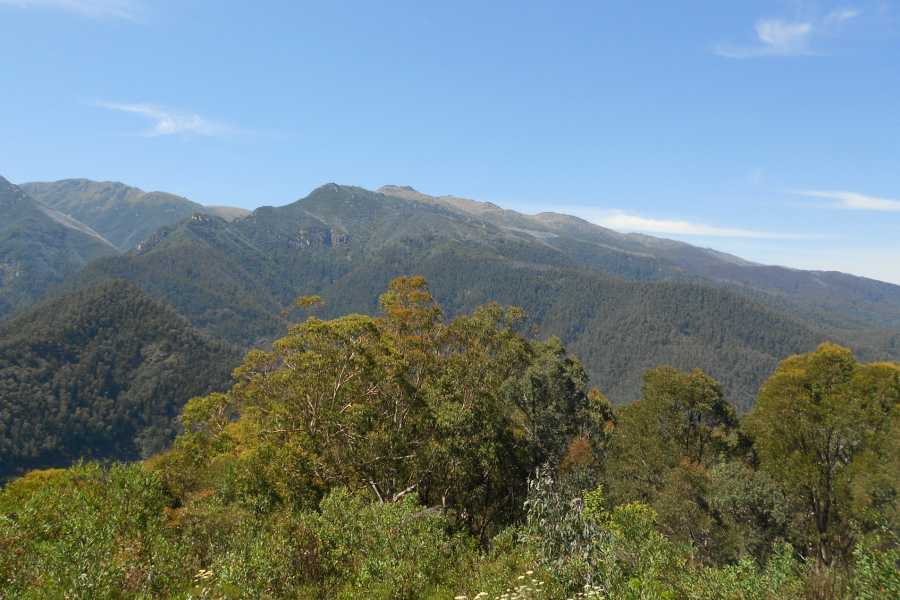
{"points": [[39, 247]]}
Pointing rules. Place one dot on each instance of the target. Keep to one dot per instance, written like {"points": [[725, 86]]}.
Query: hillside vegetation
{"points": [[407, 456], [102, 373]]}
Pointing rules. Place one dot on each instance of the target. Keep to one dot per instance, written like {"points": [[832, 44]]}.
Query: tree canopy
{"points": [[458, 412], [826, 429], [408, 455]]}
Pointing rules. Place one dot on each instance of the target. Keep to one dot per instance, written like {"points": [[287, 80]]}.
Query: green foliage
{"points": [[876, 562], [745, 580], [87, 533], [389, 550], [825, 429], [583, 544], [663, 452], [750, 511], [562, 532], [405, 456], [349, 548], [95, 533], [458, 412], [591, 550]]}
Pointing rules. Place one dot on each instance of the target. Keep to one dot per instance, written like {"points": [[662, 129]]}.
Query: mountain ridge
{"points": [[860, 299]]}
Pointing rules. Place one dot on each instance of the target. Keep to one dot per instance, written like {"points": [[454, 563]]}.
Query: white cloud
{"points": [[841, 15], [853, 200], [117, 9], [629, 222], [780, 37], [775, 37], [169, 122]]}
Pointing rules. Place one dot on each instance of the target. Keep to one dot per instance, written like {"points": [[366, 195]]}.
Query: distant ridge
{"points": [[856, 301], [123, 214]]}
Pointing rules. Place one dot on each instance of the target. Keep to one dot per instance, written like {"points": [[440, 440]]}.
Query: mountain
{"points": [[101, 373], [122, 214], [39, 247], [620, 305]]}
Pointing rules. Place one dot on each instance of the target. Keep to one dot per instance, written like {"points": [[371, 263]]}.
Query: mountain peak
{"points": [[7, 186], [405, 192], [404, 188], [13, 195], [328, 187], [455, 202], [331, 187]]}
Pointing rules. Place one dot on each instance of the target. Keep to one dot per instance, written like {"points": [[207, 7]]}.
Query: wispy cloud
{"points": [[775, 37], [131, 10], [840, 15], [630, 222], [853, 200], [170, 122], [782, 37]]}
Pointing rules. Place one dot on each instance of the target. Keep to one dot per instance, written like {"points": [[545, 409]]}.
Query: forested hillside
{"points": [[39, 247], [407, 455], [100, 373], [123, 214], [235, 280]]}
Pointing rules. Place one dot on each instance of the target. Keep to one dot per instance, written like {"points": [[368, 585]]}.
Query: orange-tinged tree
{"points": [[458, 412]]}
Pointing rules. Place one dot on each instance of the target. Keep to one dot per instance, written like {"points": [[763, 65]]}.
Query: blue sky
{"points": [[767, 129]]}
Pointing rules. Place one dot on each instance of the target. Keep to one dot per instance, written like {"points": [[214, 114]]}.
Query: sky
{"points": [[769, 129]]}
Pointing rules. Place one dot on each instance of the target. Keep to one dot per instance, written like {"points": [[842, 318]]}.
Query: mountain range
{"points": [[621, 302]]}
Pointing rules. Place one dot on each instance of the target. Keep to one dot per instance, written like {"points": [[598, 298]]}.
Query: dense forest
{"points": [[101, 373], [417, 455]]}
